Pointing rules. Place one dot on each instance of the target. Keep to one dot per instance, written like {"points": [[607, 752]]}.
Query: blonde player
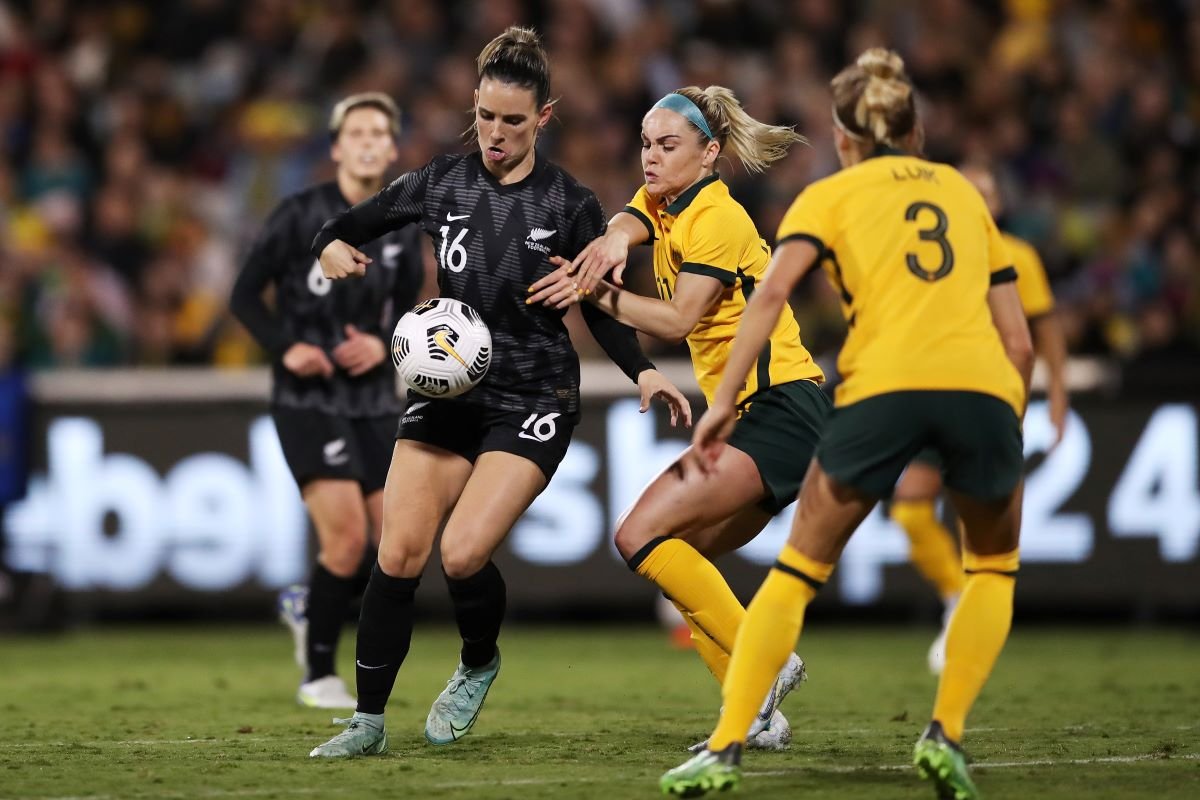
{"points": [[708, 259], [938, 355], [913, 506]]}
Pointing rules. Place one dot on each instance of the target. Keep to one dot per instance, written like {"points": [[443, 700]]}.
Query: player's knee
{"points": [[342, 548], [462, 561], [631, 536], [402, 559]]}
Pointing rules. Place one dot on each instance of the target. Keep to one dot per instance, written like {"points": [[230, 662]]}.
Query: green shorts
{"points": [[868, 444], [779, 428]]}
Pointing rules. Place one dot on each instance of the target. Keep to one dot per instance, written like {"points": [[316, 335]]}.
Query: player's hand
{"points": [[558, 289], [606, 253], [1059, 406], [712, 432], [307, 361], [653, 384], [340, 260], [360, 353]]}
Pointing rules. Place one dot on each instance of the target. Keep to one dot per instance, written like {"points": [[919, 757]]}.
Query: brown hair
{"points": [[873, 99], [377, 100], [755, 144], [516, 56]]}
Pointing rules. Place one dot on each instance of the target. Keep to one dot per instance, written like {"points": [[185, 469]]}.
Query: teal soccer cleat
{"points": [[454, 712], [364, 736]]}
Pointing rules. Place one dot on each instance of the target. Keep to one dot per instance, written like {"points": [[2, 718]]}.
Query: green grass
{"points": [[588, 713]]}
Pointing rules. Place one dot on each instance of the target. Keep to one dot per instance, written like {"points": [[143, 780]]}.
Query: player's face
{"points": [[508, 120], [365, 148], [674, 155]]}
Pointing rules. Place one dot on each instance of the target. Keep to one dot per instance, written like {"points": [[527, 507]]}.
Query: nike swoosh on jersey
{"points": [[456, 217], [441, 341]]}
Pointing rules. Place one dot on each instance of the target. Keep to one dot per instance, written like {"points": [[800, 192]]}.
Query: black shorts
{"points": [[779, 428], [468, 430], [319, 445], [868, 444]]}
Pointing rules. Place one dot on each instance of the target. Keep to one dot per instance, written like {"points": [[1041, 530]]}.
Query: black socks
{"points": [[384, 634], [328, 598], [479, 602]]}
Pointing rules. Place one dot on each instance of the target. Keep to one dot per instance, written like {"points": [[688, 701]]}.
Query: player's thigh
{"points": [[337, 511], [685, 501], [732, 532], [501, 487], [922, 479], [374, 506], [827, 514], [423, 484], [989, 526]]}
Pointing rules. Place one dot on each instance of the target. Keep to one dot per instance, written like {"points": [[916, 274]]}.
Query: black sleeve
{"points": [[393, 207], [619, 341], [261, 267]]}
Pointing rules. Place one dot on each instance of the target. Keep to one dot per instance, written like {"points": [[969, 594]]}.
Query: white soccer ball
{"points": [[441, 348]]}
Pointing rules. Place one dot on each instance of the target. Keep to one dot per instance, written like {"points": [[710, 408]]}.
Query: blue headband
{"points": [[687, 109]]}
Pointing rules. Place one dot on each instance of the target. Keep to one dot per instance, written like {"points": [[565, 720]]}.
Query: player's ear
{"points": [[711, 151], [545, 114]]}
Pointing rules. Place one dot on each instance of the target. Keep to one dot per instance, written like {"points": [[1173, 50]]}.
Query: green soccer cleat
{"points": [[455, 710], [364, 736], [941, 760], [705, 772]]}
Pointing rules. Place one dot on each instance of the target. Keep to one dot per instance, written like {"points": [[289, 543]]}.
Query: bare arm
{"points": [[1009, 319], [672, 319], [1050, 344]]}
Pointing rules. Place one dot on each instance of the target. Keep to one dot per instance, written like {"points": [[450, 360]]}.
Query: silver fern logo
{"points": [[536, 235]]}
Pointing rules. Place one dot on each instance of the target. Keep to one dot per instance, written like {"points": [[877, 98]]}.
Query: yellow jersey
{"points": [[912, 249], [1032, 284], [706, 232]]}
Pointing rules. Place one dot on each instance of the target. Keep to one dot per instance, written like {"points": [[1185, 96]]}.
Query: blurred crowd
{"points": [[144, 142]]}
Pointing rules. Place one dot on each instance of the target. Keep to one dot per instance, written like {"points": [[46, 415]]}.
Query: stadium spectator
{"points": [[151, 131]]}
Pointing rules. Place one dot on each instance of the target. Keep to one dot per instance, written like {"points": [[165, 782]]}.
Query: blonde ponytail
{"points": [[755, 144], [873, 99]]}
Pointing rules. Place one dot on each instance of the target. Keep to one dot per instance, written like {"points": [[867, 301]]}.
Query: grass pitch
{"points": [[588, 712]]}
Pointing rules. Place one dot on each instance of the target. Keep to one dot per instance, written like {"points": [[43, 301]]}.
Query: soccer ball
{"points": [[441, 348]]}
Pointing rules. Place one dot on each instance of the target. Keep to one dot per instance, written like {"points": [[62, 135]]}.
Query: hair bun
{"points": [[880, 63]]}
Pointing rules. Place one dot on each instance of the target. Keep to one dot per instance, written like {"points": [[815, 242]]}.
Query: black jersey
{"points": [[491, 242], [311, 308]]}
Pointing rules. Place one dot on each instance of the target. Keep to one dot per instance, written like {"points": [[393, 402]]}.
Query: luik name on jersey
{"points": [[534, 240]]}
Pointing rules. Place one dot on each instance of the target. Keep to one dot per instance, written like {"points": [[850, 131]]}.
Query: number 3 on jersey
{"points": [[452, 254], [935, 234]]}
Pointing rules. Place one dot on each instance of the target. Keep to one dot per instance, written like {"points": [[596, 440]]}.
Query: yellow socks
{"points": [[932, 549], [978, 629], [716, 659], [695, 584], [767, 636]]}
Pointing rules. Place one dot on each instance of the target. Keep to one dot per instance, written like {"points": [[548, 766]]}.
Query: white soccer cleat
{"points": [[791, 676], [776, 736], [937, 651], [327, 692]]}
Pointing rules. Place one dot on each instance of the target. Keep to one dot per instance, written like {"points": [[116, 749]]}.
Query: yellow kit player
{"points": [[920, 264], [708, 261], [932, 550]]}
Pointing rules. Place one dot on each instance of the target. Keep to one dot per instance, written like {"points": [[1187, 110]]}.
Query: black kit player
{"points": [[477, 462], [333, 397]]}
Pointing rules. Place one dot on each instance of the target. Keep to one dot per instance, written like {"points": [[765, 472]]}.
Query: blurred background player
{"points": [[708, 256], [333, 396], [919, 263], [476, 462], [914, 508]]}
